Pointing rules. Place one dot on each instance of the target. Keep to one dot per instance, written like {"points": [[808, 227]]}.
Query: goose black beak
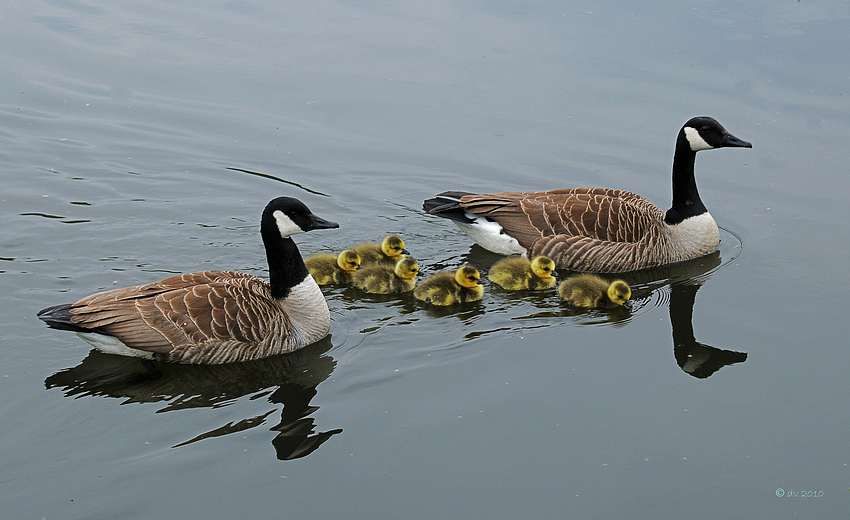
{"points": [[317, 222], [405, 252], [732, 141], [628, 304]]}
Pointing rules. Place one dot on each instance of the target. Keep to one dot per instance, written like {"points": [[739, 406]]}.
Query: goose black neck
{"points": [[286, 267], [686, 201]]}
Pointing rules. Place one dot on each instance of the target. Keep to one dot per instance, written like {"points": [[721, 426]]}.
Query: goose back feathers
{"points": [[212, 316], [597, 229]]}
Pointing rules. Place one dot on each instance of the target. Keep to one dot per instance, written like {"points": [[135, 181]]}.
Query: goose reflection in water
{"points": [[295, 376], [695, 358], [685, 279]]}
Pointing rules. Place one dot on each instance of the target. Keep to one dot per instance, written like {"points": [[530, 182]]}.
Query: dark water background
{"points": [[143, 139]]}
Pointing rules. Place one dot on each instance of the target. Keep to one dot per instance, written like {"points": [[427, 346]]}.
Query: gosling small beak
{"points": [[405, 252], [628, 304]]}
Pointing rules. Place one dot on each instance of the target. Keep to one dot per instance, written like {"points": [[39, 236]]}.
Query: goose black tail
{"points": [[447, 205], [59, 317]]}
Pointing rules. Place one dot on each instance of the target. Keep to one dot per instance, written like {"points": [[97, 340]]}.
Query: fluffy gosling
{"points": [[589, 290], [450, 288], [386, 279], [517, 273], [389, 252], [327, 269]]}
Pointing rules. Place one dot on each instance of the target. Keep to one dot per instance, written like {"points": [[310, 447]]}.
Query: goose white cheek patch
{"points": [[696, 140], [285, 224]]}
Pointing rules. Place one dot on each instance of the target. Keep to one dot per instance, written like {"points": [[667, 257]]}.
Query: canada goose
{"points": [[388, 253], [450, 288], [212, 317], [327, 269], [589, 290], [598, 229], [516, 273], [387, 279]]}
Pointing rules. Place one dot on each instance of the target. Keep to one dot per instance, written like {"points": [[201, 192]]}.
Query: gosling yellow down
{"points": [[327, 269], [387, 279], [389, 252], [451, 288], [591, 291], [517, 273]]}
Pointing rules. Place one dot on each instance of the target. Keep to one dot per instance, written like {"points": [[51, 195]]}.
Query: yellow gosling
{"points": [[589, 290], [389, 252], [329, 269], [517, 273], [451, 288], [386, 279]]}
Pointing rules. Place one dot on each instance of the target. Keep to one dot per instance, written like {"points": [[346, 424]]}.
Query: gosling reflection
{"points": [[293, 378], [695, 358]]}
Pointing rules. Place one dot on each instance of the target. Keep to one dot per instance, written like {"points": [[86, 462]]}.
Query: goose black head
{"points": [[705, 133], [291, 216]]}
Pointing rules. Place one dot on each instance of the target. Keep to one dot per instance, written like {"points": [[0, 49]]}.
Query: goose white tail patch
{"points": [[285, 225], [696, 141], [490, 236], [112, 345]]}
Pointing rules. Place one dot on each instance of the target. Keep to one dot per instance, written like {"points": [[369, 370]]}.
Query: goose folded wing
{"points": [[195, 308], [599, 213]]}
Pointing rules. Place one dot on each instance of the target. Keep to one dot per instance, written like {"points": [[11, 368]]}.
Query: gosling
{"points": [[451, 288], [388, 253], [516, 273], [386, 279], [329, 269], [591, 291]]}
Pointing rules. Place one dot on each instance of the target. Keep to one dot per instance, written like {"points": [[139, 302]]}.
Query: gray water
{"points": [[143, 139]]}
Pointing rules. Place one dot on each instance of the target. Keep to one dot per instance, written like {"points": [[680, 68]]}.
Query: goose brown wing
{"points": [[194, 308], [604, 214]]}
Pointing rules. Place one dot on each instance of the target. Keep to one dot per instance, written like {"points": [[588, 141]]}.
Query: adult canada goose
{"points": [[212, 317], [387, 279], [451, 288], [517, 273], [589, 290], [327, 269], [598, 229], [390, 251]]}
